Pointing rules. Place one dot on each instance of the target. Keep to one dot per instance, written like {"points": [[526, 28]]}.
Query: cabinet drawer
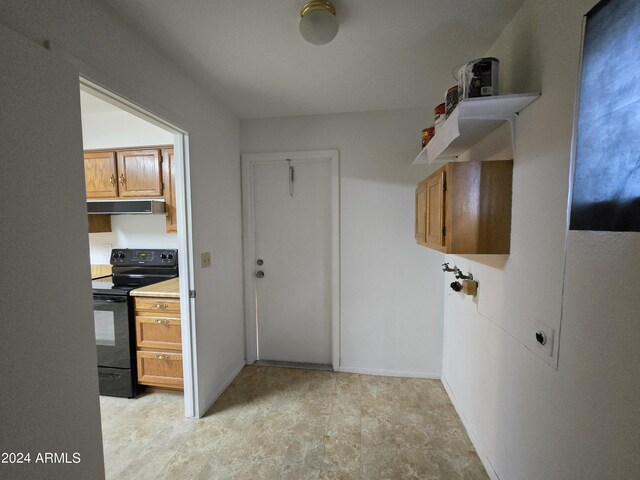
{"points": [[158, 333], [153, 304], [160, 369]]}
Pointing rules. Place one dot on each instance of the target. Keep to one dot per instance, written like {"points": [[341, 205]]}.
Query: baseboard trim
{"points": [[388, 373], [484, 458], [224, 386]]}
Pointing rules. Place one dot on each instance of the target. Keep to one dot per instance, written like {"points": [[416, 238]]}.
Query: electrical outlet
{"points": [[543, 337], [205, 259]]}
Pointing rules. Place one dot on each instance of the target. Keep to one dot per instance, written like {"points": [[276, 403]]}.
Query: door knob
{"points": [[259, 274]]}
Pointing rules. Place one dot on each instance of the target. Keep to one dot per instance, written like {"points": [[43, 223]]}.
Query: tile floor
{"points": [[282, 423]]}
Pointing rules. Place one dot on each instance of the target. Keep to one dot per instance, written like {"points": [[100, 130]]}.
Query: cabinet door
{"points": [[421, 213], [436, 210], [139, 173], [99, 223], [169, 177], [100, 174]]}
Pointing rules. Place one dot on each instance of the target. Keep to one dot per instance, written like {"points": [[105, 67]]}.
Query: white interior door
{"points": [[292, 237]]}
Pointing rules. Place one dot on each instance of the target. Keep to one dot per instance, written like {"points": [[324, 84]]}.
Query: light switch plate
{"points": [[205, 259]]}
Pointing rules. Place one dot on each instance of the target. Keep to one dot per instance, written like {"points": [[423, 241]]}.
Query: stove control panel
{"points": [[150, 257]]}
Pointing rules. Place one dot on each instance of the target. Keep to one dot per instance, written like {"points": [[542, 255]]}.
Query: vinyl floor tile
{"points": [[293, 424]]}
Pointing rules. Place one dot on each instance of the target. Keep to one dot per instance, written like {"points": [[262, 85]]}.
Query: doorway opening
{"points": [[112, 124]]}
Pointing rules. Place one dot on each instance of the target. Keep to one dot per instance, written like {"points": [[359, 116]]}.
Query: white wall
{"points": [[131, 231], [49, 389], [391, 309], [528, 420], [109, 53], [119, 129]]}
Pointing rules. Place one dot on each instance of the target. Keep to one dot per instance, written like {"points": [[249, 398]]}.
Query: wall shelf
{"points": [[471, 121]]}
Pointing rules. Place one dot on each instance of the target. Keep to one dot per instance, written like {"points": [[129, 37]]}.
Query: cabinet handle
{"points": [[112, 180], [162, 320], [162, 306], [123, 180], [162, 357]]}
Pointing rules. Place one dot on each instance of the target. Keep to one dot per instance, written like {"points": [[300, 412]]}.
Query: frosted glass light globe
{"points": [[319, 26]]}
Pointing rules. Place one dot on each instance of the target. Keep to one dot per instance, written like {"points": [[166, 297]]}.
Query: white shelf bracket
{"points": [[512, 122], [509, 117]]}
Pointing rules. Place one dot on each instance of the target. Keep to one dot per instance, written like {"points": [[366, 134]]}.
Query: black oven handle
{"points": [[105, 299], [143, 275]]}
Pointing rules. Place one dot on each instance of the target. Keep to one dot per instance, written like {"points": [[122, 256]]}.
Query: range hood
{"points": [[142, 206]]}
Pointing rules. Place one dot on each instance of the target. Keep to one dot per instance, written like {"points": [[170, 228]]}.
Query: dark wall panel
{"points": [[606, 189]]}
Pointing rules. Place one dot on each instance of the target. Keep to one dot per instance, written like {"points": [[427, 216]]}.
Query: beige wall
{"points": [[528, 420]]}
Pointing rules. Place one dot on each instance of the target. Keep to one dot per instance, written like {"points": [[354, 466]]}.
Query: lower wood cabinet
{"points": [[159, 342], [465, 208]]}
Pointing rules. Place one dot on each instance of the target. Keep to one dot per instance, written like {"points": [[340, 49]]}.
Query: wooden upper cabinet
{"points": [[435, 211], [100, 174], [169, 176], [99, 223], [468, 208], [139, 173], [130, 173], [123, 173], [421, 211]]}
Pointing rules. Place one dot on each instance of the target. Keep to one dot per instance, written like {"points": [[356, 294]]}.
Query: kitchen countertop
{"points": [[98, 270], [167, 289]]}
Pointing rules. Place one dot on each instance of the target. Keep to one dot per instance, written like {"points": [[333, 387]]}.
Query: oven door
{"points": [[111, 317]]}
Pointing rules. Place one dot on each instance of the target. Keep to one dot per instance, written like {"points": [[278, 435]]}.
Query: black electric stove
{"points": [[114, 317]]}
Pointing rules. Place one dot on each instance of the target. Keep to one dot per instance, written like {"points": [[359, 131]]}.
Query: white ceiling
{"points": [[388, 54]]}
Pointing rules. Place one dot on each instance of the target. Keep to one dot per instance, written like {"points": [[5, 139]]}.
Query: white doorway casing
{"points": [[185, 248], [250, 162]]}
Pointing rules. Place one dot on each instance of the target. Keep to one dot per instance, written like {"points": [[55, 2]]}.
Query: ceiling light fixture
{"points": [[318, 22]]}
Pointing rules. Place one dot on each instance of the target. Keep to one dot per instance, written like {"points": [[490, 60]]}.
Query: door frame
{"points": [[192, 407], [248, 239]]}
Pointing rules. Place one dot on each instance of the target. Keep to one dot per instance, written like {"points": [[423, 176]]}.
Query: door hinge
{"points": [[444, 231], [444, 185], [192, 294]]}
